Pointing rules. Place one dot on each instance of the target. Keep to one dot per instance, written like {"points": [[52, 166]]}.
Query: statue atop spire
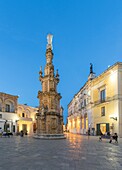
{"points": [[91, 68], [92, 74], [49, 41]]}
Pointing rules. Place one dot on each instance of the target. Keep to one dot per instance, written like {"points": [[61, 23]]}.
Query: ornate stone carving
{"points": [[50, 119]]}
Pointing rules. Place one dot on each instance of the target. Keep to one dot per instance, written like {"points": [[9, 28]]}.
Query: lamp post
{"points": [[114, 118]]}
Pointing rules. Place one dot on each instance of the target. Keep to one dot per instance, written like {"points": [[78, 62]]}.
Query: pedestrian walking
{"points": [[21, 133], [100, 138], [1, 131], [110, 139], [101, 134], [116, 138], [89, 132]]}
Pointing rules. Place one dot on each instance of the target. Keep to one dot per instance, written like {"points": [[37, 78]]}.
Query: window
{"points": [[82, 105], [103, 111], [84, 102], [13, 128], [0, 115], [102, 95], [7, 108], [0, 109], [23, 114]]}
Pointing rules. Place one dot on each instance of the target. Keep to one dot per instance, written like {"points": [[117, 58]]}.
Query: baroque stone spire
{"points": [[49, 117], [49, 80]]}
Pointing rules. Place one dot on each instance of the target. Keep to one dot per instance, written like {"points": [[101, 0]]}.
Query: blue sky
{"points": [[85, 31]]}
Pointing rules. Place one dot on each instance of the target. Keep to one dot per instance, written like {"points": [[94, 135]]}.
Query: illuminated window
{"points": [[82, 123], [102, 111], [102, 95]]}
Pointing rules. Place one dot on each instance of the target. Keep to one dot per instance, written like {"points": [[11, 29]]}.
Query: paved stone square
{"points": [[74, 153]]}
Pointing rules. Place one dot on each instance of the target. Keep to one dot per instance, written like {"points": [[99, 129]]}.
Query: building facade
{"points": [[97, 107], [8, 112], [15, 117], [26, 119]]}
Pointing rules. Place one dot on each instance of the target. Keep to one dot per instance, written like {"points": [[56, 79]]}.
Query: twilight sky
{"points": [[85, 31]]}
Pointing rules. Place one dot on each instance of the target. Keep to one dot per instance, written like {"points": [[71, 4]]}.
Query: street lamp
{"points": [[114, 118]]}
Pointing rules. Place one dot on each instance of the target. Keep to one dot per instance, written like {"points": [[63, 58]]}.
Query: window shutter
{"points": [[98, 129], [107, 127]]}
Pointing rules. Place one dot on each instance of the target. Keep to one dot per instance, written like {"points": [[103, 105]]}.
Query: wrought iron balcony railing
{"points": [[108, 99]]}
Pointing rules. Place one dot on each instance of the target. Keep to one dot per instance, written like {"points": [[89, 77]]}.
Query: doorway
{"points": [[24, 128], [102, 127]]}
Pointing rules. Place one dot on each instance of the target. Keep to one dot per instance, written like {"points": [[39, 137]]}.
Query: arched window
{"points": [[9, 106], [27, 113]]}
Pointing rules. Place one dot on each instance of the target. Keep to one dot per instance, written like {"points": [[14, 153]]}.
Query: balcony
{"points": [[25, 118], [107, 99]]}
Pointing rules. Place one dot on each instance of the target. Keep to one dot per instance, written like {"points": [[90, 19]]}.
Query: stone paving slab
{"points": [[76, 152]]}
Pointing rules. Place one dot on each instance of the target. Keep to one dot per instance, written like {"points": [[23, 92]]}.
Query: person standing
{"points": [[110, 139], [116, 138], [21, 133], [1, 131]]}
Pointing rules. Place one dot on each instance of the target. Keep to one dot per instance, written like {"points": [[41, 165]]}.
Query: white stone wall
{"points": [[10, 118]]}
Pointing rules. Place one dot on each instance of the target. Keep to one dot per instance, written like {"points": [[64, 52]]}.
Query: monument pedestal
{"points": [[49, 126]]}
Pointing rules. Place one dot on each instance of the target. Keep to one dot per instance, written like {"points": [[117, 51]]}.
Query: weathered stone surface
{"points": [[75, 153]]}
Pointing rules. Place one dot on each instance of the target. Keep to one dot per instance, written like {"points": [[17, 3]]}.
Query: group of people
{"points": [[3, 133], [109, 136], [115, 137], [22, 133]]}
